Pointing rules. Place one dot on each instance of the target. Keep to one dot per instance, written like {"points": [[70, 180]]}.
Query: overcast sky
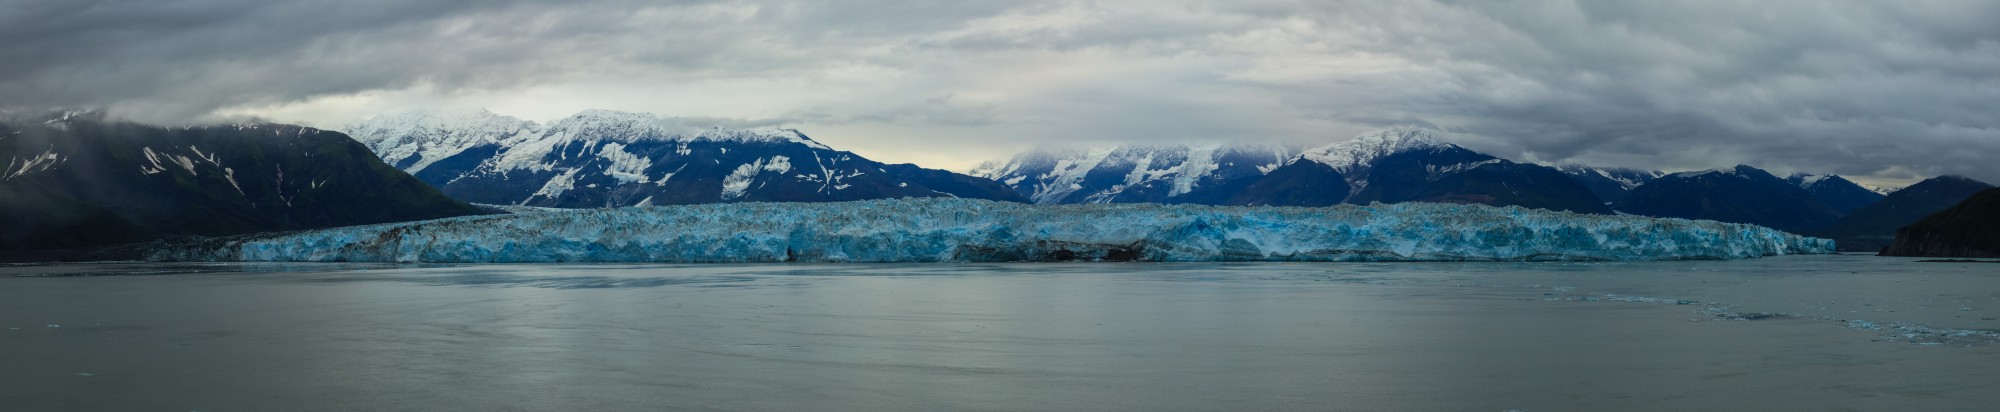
{"points": [[1886, 91]]}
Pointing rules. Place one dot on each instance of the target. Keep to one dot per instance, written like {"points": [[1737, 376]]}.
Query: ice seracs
{"points": [[961, 230]]}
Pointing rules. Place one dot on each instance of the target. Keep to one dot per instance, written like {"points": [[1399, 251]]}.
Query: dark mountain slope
{"points": [[1873, 227], [1836, 191], [1969, 229], [1609, 184], [80, 181], [1742, 194], [1505, 183], [1309, 184]]}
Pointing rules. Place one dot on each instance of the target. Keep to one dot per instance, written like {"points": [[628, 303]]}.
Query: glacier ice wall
{"points": [[964, 230]]}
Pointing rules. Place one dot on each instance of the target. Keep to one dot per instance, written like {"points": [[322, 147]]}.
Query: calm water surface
{"points": [[1791, 333]]}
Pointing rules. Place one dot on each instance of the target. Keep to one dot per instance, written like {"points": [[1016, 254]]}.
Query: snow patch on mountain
{"points": [[19, 166], [958, 230], [1435, 172], [557, 185], [626, 167], [1066, 175], [1198, 161], [155, 157], [1626, 178], [737, 184]]}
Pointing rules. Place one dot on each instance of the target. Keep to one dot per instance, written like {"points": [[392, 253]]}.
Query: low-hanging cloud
{"points": [[1883, 90]]}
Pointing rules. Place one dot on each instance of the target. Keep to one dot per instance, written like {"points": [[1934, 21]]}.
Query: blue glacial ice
{"points": [[961, 230]]}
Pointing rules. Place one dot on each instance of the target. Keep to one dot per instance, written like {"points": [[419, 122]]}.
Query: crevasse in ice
{"points": [[963, 230]]}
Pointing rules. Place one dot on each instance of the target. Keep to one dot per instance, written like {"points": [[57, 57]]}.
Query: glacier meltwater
{"points": [[963, 230]]}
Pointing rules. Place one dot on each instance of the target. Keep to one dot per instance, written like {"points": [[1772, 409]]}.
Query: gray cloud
{"points": [[1882, 90]]}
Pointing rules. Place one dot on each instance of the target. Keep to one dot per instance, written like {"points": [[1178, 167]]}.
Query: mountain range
{"points": [[1609, 184], [1843, 195], [75, 179], [601, 158], [1387, 166], [1857, 218], [1412, 165], [1873, 227], [1740, 194]]}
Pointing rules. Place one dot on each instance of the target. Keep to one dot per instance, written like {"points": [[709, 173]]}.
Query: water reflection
{"points": [[1378, 336]]}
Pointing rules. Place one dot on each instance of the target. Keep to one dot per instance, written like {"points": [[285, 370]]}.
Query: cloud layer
{"points": [[1887, 91]]}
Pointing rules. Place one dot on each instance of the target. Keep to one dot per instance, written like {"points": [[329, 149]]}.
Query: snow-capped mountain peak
{"points": [[1699, 173], [1128, 173], [415, 139], [631, 127], [1807, 180], [1742, 171], [1364, 149]]}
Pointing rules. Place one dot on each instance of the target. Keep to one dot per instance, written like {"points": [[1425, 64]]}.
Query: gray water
{"points": [[1790, 333]]}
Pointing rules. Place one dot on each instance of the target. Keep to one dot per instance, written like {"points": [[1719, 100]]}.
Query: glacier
{"points": [[967, 230]]}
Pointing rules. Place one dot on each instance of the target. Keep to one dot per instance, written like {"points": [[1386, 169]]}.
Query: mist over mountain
{"points": [[1394, 165], [75, 179]]}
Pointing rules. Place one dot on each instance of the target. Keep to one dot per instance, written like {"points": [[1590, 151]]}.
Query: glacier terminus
{"points": [[969, 230]]}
